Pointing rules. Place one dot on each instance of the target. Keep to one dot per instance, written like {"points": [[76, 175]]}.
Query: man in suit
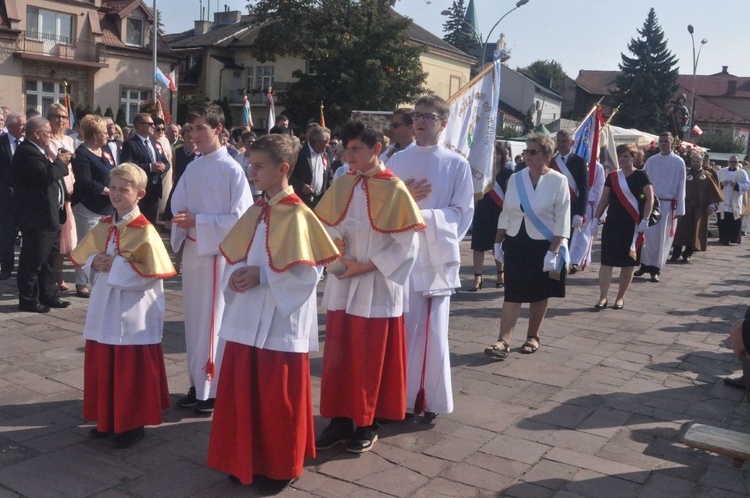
{"points": [[147, 153], [113, 144], [39, 200], [312, 174], [9, 142], [576, 171]]}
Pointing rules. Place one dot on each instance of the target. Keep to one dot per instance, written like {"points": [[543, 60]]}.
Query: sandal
{"points": [[529, 347], [499, 284], [62, 287], [496, 352]]}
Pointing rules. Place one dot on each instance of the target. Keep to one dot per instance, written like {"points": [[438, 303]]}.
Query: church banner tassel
{"points": [[420, 403]]}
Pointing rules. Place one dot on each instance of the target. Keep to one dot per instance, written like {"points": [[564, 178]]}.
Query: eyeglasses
{"points": [[160, 128], [396, 124], [149, 124], [426, 116], [531, 152], [58, 116], [733, 162]]}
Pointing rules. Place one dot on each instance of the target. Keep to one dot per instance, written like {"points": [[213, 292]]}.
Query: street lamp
{"points": [[695, 68], [520, 3]]}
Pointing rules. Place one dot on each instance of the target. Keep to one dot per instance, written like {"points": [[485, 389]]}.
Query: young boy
{"points": [[374, 220], [125, 382], [208, 200], [263, 425]]}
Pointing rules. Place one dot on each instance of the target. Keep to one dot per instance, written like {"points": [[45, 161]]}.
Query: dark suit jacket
{"points": [[91, 177], [6, 157], [37, 188], [133, 151], [580, 172], [302, 176]]}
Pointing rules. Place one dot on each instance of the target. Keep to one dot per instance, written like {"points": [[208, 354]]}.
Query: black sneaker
{"points": [[270, 487], [338, 431], [128, 438], [205, 406], [363, 439], [189, 400]]}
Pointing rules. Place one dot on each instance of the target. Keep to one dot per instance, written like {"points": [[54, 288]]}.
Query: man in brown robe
{"points": [[701, 196]]}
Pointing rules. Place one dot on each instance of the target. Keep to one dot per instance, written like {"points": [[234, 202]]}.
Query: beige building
{"points": [[216, 63], [100, 48]]}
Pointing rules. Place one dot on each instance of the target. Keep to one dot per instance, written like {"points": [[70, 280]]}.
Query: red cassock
{"points": [[364, 368], [124, 387], [263, 422]]}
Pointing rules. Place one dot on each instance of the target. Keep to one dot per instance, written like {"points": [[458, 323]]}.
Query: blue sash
{"points": [[564, 260]]}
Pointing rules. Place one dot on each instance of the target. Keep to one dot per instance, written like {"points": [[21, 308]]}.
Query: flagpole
{"points": [[588, 115], [155, 28], [470, 83], [611, 116]]}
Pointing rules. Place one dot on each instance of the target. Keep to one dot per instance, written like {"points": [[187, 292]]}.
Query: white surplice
{"points": [[213, 188], [733, 203], [667, 175], [580, 245], [447, 212]]}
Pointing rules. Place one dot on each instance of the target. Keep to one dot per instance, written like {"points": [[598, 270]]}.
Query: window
{"points": [[49, 26], [312, 67], [41, 94], [250, 79], [134, 32], [130, 99], [265, 77]]}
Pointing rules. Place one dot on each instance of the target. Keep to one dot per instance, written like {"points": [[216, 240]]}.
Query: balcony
{"points": [[33, 45], [260, 97]]}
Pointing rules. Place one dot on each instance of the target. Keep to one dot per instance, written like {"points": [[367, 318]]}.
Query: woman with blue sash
{"points": [[531, 242]]}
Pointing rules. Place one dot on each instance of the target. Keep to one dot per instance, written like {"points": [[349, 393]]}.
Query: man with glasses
{"points": [[734, 183], [312, 174], [9, 142], [143, 150], [667, 173], [401, 133], [113, 144], [440, 181], [39, 200]]}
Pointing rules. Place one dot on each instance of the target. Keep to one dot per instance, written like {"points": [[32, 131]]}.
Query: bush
{"points": [[720, 144], [120, 119]]}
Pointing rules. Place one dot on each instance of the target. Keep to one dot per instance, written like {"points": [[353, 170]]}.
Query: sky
{"points": [[579, 34]]}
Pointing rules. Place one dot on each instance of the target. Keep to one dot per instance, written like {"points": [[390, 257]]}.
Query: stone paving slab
{"points": [[597, 411]]}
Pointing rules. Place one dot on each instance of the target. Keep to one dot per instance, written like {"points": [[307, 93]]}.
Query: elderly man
{"points": [[9, 142], [39, 200], [666, 171], [312, 174], [734, 183]]}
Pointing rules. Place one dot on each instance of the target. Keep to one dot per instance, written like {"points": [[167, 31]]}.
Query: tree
{"points": [[546, 72], [120, 120], [159, 24], [98, 110], [648, 80], [228, 119], [457, 31], [359, 55], [109, 113], [528, 121]]}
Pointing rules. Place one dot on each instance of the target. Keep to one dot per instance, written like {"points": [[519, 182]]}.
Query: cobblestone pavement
{"points": [[597, 411]]}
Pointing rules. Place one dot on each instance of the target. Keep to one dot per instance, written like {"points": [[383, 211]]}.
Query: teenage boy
{"points": [[440, 181], [124, 379], [374, 221], [206, 203], [263, 425]]}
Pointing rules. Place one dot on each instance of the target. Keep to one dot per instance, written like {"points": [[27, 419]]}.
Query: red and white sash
{"points": [[559, 165], [630, 203], [497, 194]]}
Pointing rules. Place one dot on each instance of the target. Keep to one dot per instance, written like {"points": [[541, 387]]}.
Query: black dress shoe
{"points": [[686, 259], [271, 487], [33, 308], [128, 438], [654, 277], [640, 271], [56, 303], [340, 430]]}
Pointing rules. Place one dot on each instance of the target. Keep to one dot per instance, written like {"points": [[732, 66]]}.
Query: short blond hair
{"points": [[90, 124], [132, 174]]}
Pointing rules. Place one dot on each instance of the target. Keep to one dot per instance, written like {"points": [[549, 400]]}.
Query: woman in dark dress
{"points": [[620, 229], [486, 212]]}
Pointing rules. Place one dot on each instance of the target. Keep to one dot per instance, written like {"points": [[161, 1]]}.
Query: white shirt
{"points": [[317, 166]]}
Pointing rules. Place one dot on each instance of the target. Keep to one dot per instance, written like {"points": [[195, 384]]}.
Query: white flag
{"points": [[472, 124]]}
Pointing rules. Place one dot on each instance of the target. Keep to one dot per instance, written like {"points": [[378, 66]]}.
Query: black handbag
{"points": [[655, 213]]}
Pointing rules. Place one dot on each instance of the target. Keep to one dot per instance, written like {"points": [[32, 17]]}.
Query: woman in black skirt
{"points": [[620, 234], [532, 245], [484, 225]]}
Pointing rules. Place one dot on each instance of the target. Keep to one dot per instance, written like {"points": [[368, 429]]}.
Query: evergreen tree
{"points": [[359, 55], [528, 121], [109, 113], [98, 110], [648, 80], [228, 119], [457, 31], [120, 119]]}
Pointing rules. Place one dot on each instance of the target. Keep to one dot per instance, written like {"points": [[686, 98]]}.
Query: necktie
{"points": [[150, 152], [563, 160]]}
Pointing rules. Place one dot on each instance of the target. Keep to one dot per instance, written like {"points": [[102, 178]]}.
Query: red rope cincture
{"points": [[210, 365]]}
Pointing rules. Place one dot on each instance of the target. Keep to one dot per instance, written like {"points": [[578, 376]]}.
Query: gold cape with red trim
{"points": [[137, 242], [390, 206], [294, 235]]}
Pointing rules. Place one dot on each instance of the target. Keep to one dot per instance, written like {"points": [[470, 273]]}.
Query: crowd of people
{"points": [[256, 222]]}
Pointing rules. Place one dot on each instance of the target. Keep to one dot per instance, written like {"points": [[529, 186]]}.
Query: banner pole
{"points": [[468, 85]]}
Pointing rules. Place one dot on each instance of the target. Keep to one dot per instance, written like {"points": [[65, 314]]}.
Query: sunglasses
{"points": [[531, 152], [160, 128], [396, 124], [149, 124], [426, 116]]}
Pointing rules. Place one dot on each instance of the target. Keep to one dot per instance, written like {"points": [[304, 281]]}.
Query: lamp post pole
{"points": [[695, 69]]}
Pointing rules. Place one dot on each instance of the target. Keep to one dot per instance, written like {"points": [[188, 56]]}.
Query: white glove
{"points": [[594, 228], [550, 261], [577, 221], [499, 253], [643, 226]]}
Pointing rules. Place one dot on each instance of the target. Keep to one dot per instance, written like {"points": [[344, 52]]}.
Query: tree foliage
{"points": [[546, 72], [528, 121], [360, 52], [648, 80], [457, 31]]}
